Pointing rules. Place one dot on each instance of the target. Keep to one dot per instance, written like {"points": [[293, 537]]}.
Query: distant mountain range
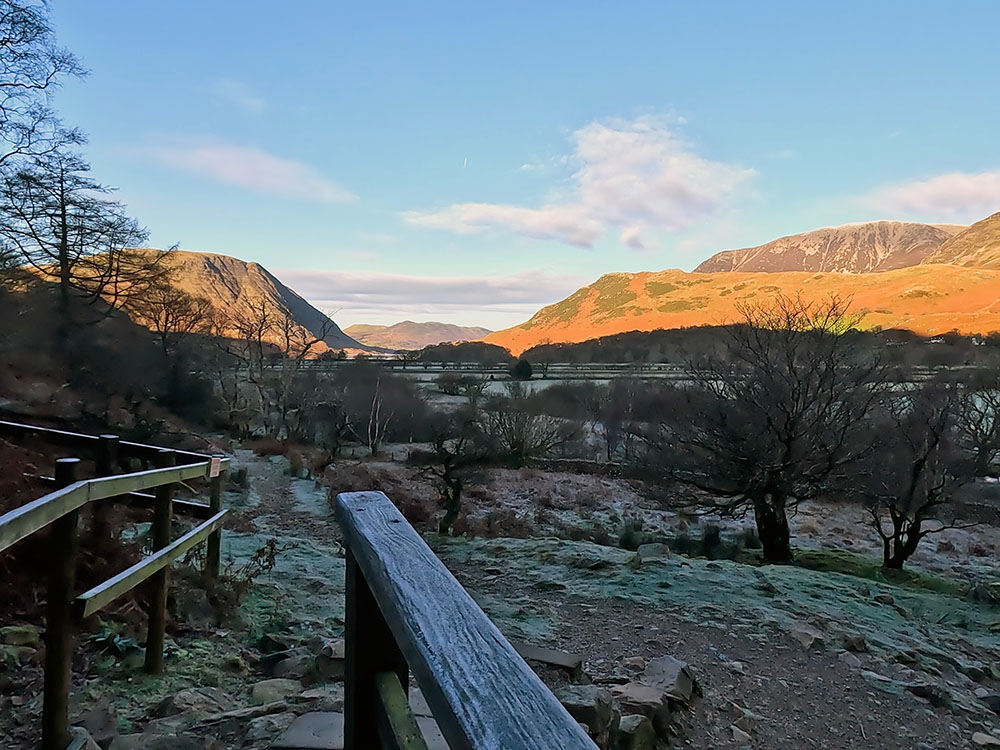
{"points": [[411, 335], [853, 248], [232, 285], [922, 277]]}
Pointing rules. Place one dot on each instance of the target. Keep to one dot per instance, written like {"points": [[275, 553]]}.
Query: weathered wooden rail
{"points": [[60, 510], [407, 614]]}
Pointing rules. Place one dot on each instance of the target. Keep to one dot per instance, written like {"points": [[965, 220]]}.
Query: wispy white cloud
{"points": [[376, 297], [248, 167], [635, 177], [237, 92], [959, 195]]}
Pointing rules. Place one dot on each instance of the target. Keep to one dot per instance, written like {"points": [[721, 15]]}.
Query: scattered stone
{"points": [[297, 666], [664, 686], [992, 700], [277, 689], [21, 635], [330, 664], [198, 700], [808, 636], [80, 739], [739, 735], [764, 584], [936, 695], [884, 599], [270, 726], [634, 663], [101, 723], [856, 643], [849, 659], [592, 706], [635, 732], [985, 740]]}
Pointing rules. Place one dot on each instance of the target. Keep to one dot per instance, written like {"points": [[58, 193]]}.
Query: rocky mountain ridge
{"points": [[853, 248]]}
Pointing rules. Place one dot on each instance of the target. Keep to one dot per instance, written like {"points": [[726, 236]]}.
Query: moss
{"points": [[659, 288], [680, 305], [870, 568], [613, 295]]}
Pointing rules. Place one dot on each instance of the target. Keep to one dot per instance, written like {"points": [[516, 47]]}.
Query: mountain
{"points": [[232, 285], [410, 335], [977, 245], [926, 299], [852, 248]]}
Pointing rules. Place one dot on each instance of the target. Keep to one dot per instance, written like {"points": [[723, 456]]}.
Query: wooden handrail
{"points": [[60, 509], [25, 520], [103, 594], [92, 442], [481, 692]]}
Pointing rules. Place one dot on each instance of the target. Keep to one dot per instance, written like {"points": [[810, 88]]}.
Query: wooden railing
{"points": [[406, 613], [60, 509]]}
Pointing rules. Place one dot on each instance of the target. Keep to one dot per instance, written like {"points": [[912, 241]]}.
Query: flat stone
{"points": [[985, 740], [325, 731], [653, 551], [20, 635], [269, 691], [270, 726], [808, 636]]}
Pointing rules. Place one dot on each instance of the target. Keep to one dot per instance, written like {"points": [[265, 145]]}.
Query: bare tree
{"points": [[777, 419], [269, 351], [62, 224], [458, 453], [980, 422], [31, 66], [517, 431], [172, 313], [911, 481]]}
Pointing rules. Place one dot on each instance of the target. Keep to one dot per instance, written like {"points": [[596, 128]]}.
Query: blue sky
{"points": [[471, 162]]}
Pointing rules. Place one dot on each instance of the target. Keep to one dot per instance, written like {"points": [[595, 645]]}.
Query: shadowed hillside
{"points": [[233, 285], [411, 335], [852, 248]]}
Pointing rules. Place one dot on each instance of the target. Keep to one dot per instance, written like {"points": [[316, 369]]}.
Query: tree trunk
{"points": [[772, 528], [452, 506], [901, 545]]}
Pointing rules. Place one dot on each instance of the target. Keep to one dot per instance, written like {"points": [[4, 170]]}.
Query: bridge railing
{"points": [[406, 614], [60, 510]]}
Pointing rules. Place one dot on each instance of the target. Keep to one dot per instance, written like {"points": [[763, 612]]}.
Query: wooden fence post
{"points": [[58, 618], [107, 464], [162, 518], [370, 648], [213, 547]]}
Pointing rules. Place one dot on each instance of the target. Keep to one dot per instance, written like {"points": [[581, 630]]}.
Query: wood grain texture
{"points": [[481, 692]]}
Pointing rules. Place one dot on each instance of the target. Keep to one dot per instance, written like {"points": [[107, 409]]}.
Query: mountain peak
{"points": [[864, 247]]}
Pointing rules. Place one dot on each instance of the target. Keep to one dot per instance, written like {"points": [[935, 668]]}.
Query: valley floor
{"points": [[814, 659]]}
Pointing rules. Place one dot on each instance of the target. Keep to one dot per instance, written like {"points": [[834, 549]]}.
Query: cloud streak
{"points": [[631, 177], [238, 93], [249, 168], [965, 195], [376, 297]]}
